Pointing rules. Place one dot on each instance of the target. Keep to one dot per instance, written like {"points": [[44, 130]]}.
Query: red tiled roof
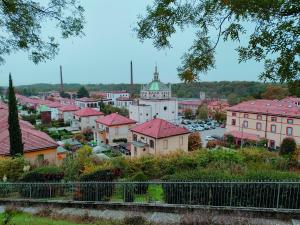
{"points": [[158, 128], [69, 108], [33, 139], [244, 135], [285, 107], [88, 112], [52, 104], [115, 119]]}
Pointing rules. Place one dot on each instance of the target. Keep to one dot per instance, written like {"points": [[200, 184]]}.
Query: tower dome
{"points": [[156, 89]]}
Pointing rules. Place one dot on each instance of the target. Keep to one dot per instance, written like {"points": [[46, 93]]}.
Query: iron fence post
{"points": [[50, 189], [190, 193], [278, 195], [231, 190], [30, 191]]}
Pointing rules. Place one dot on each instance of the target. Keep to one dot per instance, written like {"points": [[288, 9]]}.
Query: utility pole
{"points": [[61, 80]]}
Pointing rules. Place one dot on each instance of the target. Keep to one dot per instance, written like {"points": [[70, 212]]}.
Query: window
{"points": [[258, 126], [233, 114], [107, 130], [246, 115], [40, 158], [273, 119], [135, 151], [116, 131], [165, 108], [272, 144], [233, 122], [290, 121], [165, 144], [259, 117], [289, 131], [180, 140], [273, 128], [151, 144], [245, 124], [135, 137]]}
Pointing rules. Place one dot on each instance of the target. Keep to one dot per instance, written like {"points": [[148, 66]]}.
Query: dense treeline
{"points": [[220, 89]]}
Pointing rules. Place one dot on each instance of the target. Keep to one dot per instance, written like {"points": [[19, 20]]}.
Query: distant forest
{"points": [[222, 89]]}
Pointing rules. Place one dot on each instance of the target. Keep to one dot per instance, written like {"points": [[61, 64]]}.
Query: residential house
{"points": [[123, 102], [38, 146], [67, 112], [114, 95], [112, 128], [158, 136], [86, 118]]}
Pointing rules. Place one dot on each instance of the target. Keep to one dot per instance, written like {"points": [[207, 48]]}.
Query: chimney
{"points": [[61, 80], [131, 78]]}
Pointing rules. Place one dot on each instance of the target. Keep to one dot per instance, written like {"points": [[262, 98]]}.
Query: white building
{"points": [[155, 102], [86, 118], [67, 112], [114, 95], [123, 102]]}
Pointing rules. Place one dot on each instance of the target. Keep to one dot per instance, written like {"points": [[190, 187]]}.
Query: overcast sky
{"points": [[104, 53]]}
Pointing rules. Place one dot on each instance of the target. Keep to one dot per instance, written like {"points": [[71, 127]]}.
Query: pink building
{"points": [[272, 120]]}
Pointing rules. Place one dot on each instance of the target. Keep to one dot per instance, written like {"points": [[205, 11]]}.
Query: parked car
{"points": [[223, 125], [209, 138]]}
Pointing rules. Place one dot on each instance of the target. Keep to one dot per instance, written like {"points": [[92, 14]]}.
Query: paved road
{"points": [[218, 131]]}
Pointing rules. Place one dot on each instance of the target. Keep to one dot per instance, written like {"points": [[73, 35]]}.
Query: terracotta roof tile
{"points": [[158, 128], [69, 108], [33, 139], [88, 112], [285, 107], [115, 119]]}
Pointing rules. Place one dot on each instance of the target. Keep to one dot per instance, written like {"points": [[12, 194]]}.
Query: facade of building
{"points": [[114, 95], [113, 127], [38, 146], [158, 136], [66, 112], [86, 118], [155, 102], [272, 120], [189, 105], [123, 102]]}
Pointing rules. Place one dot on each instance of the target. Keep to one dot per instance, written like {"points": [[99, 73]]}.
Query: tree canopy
{"points": [[275, 39], [15, 134], [22, 25], [82, 92]]}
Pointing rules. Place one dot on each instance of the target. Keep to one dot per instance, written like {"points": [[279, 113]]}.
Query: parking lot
{"points": [[218, 131]]}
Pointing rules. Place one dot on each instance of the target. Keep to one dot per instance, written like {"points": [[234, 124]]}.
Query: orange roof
{"points": [[69, 108]]}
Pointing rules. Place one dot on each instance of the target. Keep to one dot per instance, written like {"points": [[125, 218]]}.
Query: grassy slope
{"points": [[27, 219]]}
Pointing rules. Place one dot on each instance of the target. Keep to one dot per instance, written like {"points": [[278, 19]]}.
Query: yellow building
{"points": [[158, 136], [38, 146]]}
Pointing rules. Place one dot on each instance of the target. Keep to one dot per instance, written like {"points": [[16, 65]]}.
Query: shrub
{"points": [[12, 168], [230, 139], [43, 174], [194, 141], [288, 147], [140, 188], [92, 191], [40, 189]]}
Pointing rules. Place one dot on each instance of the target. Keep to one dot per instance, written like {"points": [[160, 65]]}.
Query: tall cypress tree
{"points": [[15, 134]]}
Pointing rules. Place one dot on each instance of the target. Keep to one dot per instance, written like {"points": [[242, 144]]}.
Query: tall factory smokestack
{"points": [[131, 79], [61, 80], [131, 74]]}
